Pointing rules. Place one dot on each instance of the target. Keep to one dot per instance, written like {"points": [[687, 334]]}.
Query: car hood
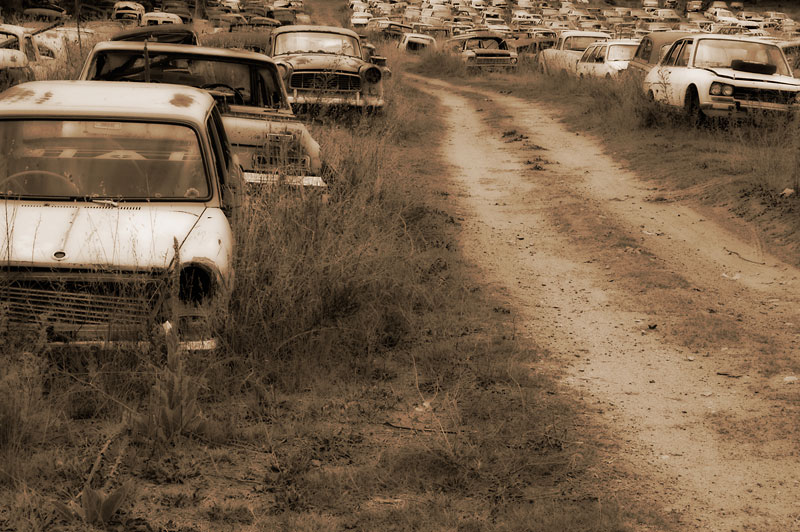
{"points": [[128, 237], [492, 53], [752, 76], [322, 62]]}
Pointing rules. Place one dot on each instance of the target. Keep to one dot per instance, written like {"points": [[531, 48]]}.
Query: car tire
{"points": [[692, 107]]}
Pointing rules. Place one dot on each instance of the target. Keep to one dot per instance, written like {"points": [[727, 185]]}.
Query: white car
{"points": [[118, 201], [719, 14], [722, 75], [360, 20], [416, 42], [607, 59]]}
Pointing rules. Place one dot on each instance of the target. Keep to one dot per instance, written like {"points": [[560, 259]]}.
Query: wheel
{"points": [[692, 107], [238, 97], [26, 173]]}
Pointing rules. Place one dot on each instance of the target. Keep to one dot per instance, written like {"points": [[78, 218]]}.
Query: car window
{"points": [[587, 55], [683, 58], [645, 50], [600, 56], [101, 159], [672, 54]]}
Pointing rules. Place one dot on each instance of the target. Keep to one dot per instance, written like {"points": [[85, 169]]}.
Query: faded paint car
{"points": [[650, 51], [721, 76], [118, 202], [32, 52], [483, 50], [323, 66], [272, 145], [563, 57], [606, 59]]}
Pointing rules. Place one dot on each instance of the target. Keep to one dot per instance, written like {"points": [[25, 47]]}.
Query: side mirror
{"points": [[378, 60]]}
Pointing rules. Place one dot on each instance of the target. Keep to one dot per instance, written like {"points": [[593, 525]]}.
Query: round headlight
{"points": [[727, 90], [716, 89], [372, 74], [285, 70]]}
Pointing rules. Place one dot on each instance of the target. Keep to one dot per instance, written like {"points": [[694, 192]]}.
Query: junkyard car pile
{"points": [[120, 196]]}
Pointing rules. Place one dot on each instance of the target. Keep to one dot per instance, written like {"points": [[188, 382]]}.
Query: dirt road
{"points": [[676, 329]]}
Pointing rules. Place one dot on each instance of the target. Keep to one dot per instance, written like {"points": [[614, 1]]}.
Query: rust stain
{"points": [[16, 94], [181, 100], [44, 97]]}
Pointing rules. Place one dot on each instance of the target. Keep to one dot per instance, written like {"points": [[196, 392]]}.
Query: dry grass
{"points": [[364, 380]]}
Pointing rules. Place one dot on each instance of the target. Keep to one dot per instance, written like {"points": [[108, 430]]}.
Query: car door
{"points": [[585, 62], [660, 79]]}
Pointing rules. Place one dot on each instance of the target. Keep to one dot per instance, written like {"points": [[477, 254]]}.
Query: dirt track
{"points": [[673, 324]]}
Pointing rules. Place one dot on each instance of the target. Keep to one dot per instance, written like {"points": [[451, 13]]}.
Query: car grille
{"points": [[76, 298], [282, 152], [492, 60], [330, 81], [763, 95]]}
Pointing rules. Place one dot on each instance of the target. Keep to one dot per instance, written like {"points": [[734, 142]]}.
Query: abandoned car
{"points": [[117, 201], [721, 75], [483, 50], [323, 66], [271, 144]]}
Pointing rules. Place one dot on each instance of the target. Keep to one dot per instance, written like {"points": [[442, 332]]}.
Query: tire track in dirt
{"points": [[612, 284]]}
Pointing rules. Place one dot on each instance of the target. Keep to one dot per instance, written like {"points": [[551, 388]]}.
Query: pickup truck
{"points": [[563, 57]]}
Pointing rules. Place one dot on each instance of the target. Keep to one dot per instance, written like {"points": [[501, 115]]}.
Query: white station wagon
{"points": [[723, 75], [116, 201]]}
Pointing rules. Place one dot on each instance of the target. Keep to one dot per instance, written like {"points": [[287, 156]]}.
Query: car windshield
{"points": [[580, 43], [229, 77], [71, 159], [316, 42], [486, 44], [719, 53], [621, 52]]}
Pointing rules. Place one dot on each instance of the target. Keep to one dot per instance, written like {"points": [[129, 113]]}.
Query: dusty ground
{"points": [[672, 323]]}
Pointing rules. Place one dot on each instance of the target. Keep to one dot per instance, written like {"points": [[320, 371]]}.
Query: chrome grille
{"points": [[76, 299], [493, 60], [763, 95], [330, 81]]}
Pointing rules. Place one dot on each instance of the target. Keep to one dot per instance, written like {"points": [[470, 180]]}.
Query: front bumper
{"points": [[354, 99], [723, 107]]}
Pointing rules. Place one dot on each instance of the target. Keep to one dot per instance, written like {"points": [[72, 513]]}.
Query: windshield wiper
{"points": [[103, 201]]}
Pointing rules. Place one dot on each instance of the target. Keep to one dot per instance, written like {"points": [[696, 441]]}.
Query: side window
{"points": [[44, 51], [601, 54], [683, 58], [586, 57], [644, 50], [672, 54]]}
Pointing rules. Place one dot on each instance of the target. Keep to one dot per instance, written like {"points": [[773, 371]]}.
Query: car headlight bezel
{"points": [[721, 89]]}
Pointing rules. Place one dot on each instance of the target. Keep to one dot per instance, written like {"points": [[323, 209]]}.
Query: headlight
{"points": [[197, 284], [285, 71], [371, 74], [723, 89]]}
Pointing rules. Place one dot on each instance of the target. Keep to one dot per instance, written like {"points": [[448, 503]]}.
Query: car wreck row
{"points": [[120, 189]]}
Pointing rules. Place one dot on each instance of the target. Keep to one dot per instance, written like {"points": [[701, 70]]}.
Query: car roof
{"points": [[106, 100], [579, 33], [320, 29], [16, 30], [185, 49], [662, 37]]}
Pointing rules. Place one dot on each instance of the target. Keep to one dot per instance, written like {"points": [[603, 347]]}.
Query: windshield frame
{"points": [[202, 142], [356, 41]]}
